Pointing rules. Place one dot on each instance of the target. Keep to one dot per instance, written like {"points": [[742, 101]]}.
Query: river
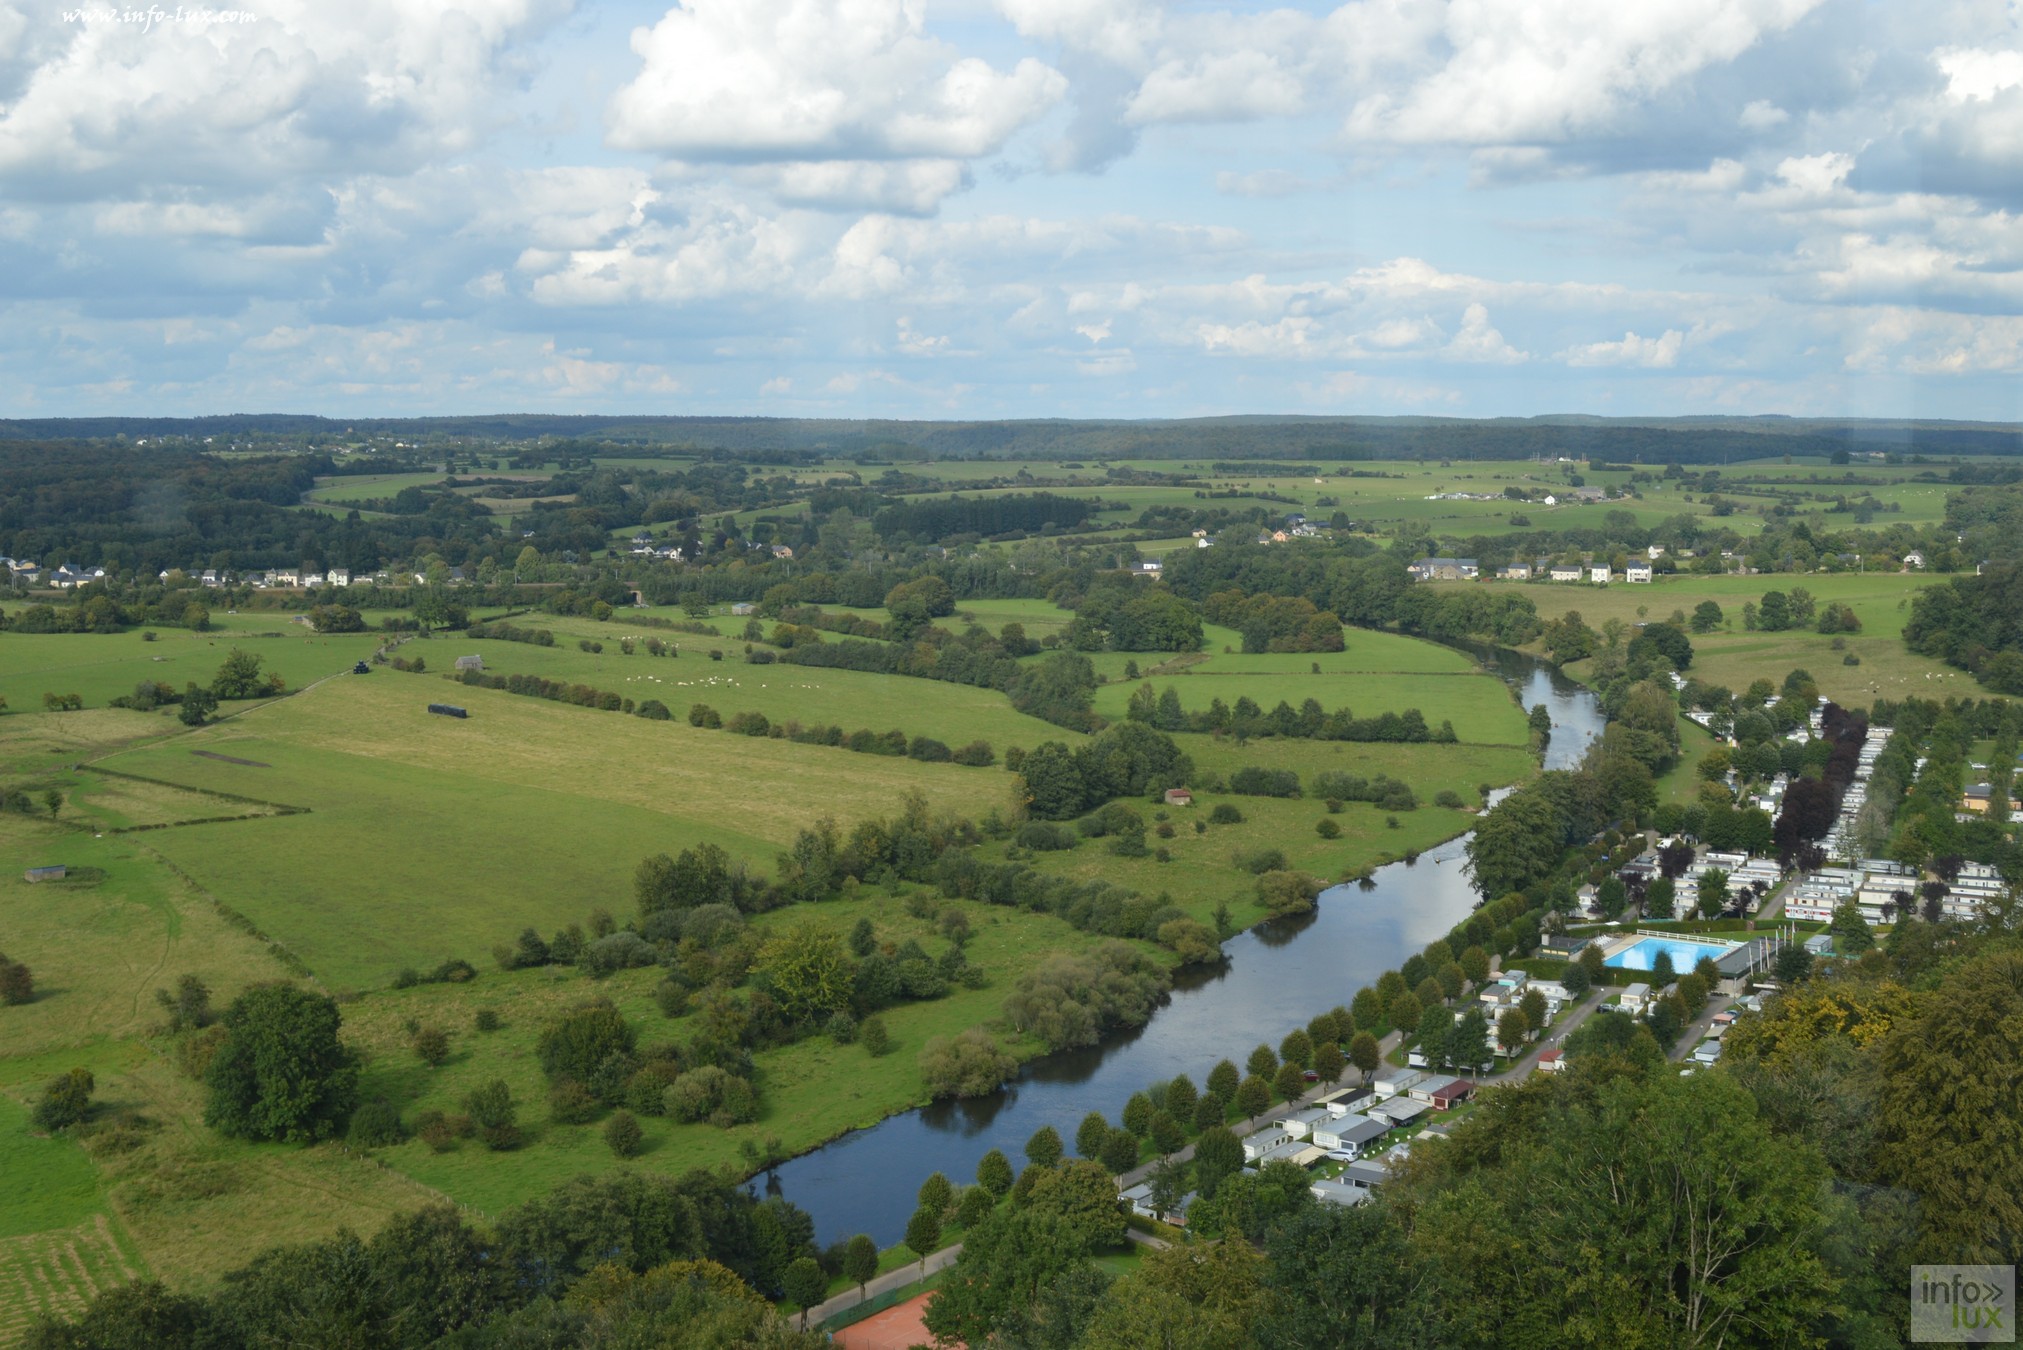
{"points": [[1278, 975]]}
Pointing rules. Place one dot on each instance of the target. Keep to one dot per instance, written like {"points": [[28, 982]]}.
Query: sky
{"points": [[1013, 208]]}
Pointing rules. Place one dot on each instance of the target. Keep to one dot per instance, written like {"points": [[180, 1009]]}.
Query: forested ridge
{"points": [[1685, 440]]}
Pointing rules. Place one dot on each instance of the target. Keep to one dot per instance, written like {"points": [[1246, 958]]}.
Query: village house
{"points": [[1599, 574], [1564, 572], [1516, 572], [1445, 569], [1639, 572], [1351, 1134]]}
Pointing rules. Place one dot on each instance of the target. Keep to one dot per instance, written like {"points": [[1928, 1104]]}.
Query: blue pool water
{"points": [[1685, 954]]}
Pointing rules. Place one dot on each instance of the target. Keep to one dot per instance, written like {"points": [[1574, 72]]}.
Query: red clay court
{"points": [[897, 1328]]}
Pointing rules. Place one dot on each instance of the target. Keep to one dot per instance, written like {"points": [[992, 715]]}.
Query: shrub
{"points": [[970, 1064], [487, 1019], [1260, 861], [977, 755], [702, 715], [929, 750], [671, 998], [17, 985], [1257, 781], [876, 1040], [749, 724], [434, 1129], [1326, 828], [1045, 837], [432, 1045], [66, 1100], [571, 1103], [624, 1135], [1225, 813], [575, 1044], [842, 1028], [710, 1093], [653, 710], [376, 1124]]}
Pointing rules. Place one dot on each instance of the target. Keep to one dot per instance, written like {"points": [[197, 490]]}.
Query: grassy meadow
{"points": [[103, 666], [452, 835], [421, 838]]}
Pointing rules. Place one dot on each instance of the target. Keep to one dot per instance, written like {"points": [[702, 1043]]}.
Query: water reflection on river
{"points": [[1277, 975]]}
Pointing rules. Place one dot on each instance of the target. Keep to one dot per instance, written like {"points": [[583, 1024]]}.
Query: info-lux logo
{"points": [[1963, 1305]]}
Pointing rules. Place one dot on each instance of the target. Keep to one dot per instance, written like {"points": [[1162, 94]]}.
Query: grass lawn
{"points": [[58, 1243], [103, 666], [362, 487], [1479, 706], [851, 699], [447, 837], [1429, 769], [810, 1091], [182, 1203]]}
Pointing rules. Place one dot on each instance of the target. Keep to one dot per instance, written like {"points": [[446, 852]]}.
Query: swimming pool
{"points": [[1643, 955]]}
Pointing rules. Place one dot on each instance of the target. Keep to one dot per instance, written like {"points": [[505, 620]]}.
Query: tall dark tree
{"points": [[281, 1073]]}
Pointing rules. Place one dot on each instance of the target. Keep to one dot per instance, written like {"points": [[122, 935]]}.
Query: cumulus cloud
{"points": [[1479, 341], [229, 107], [746, 80], [1658, 353], [1515, 73]]}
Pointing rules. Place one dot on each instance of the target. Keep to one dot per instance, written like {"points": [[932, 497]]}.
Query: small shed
{"points": [[447, 710], [470, 663], [56, 873], [1179, 796]]}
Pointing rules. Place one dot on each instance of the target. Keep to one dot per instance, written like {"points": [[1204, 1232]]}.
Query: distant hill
{"points": [[1691, 440]]}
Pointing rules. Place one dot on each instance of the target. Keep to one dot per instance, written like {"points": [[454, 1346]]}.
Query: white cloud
{"points": [[1217, 87], [1513, 72], [1479, 341], [809, 80], [307, 88], [1816, 175], [1658, 353], [1977, 76], [1122, 31], [1761, 115]]}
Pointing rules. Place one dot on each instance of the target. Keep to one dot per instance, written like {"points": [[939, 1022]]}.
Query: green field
{"points": [[364, 487], [1479, 706], [453, 835], [103, 666], [851, 699]]}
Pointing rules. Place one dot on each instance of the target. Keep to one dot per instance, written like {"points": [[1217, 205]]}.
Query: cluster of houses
{"points": [[1348, 1138], [284, 578], [1884, 890], [1294, 526], [1470, 569]]}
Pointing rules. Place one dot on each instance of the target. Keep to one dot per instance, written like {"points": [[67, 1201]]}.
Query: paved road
{"points": [[1697, 1028], [910, 1273], [1522, 1066]]}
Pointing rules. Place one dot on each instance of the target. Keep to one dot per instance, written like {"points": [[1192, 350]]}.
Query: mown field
{"points": [[1400, 492], [851, 699], [166, 1196], [448, 836], [104, 666], [1733, 656]]}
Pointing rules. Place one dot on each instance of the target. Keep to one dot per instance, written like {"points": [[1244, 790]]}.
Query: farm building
{"points": [[447, 710], [470, 663], [56, 873], [1179, 797]]}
